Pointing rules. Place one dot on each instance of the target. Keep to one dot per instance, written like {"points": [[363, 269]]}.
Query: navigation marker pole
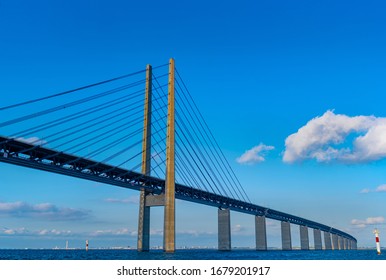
{"points": [[376, 232]]}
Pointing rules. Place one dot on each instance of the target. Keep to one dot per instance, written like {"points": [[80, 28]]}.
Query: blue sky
{"points": [[260, 71]]}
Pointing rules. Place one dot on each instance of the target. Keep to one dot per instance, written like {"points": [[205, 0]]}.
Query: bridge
{"points": [[113, 132]]}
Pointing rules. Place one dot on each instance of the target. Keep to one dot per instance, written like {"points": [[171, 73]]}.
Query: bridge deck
{"points": [[27, 155]]}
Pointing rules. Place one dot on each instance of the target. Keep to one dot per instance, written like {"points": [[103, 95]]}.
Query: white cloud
{"points": [[129, 200], [114, 232], [238, 229], [106, 233], [54, 232], [122, 232], [325, 139], [26, 232], [9, 231], [16, 231], [195, 233], [365, 191], [254, 155], [43, 210], [381, 188], [369, 221]]}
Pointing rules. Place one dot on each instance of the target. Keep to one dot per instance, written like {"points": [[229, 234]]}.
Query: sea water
{"points": [[199, 254]]}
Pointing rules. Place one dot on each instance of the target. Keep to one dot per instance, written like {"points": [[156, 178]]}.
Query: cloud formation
{"points": [[369, 221], [254, 155], [114, 232], [327, 138], [365, 191], [113, 235], [238, 229], [153, 232], [44, 210], [129, 200], [26, 232], [195, 233], [381, 188]]}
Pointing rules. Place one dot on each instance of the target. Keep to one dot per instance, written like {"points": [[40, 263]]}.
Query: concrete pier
{"points": [[260, 233], [317, 239], [335, 242], [327, 241], [224, 230], [286, 236], [304, 239], [353, 245], [340, 242], [143, 224]]}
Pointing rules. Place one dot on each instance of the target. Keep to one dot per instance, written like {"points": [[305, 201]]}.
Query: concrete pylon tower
{"points": [[144, 211], [169, 216]]}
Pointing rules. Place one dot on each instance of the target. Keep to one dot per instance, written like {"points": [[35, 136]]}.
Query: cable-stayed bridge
{"points": [[143, 131]]}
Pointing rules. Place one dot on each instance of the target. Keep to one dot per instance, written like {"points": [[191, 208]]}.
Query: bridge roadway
{"points": [[27, 155]]}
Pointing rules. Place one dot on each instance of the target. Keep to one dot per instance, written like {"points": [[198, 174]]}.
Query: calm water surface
{"points": [[188, 255]]}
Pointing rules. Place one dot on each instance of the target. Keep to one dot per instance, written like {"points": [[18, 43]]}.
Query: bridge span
{"points": [[156, 191]]}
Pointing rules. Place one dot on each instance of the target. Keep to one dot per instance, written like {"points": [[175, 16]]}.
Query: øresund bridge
{"points": [[114, 132]]}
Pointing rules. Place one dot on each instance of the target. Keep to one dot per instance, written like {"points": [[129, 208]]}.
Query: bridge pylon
{"points": [[169, 216], [166, 199], [144, 211]]}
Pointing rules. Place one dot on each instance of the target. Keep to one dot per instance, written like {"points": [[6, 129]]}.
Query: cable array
{"points": [[103, 122], [200, 160]]}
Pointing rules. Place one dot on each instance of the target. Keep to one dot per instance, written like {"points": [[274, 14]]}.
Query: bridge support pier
{"points": [[143, 224], [340, 241], [304, 239], [286, 236], [224, 230], [327, 241], [335, 242], [147, 200], [317, 239], [261, 233]]}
